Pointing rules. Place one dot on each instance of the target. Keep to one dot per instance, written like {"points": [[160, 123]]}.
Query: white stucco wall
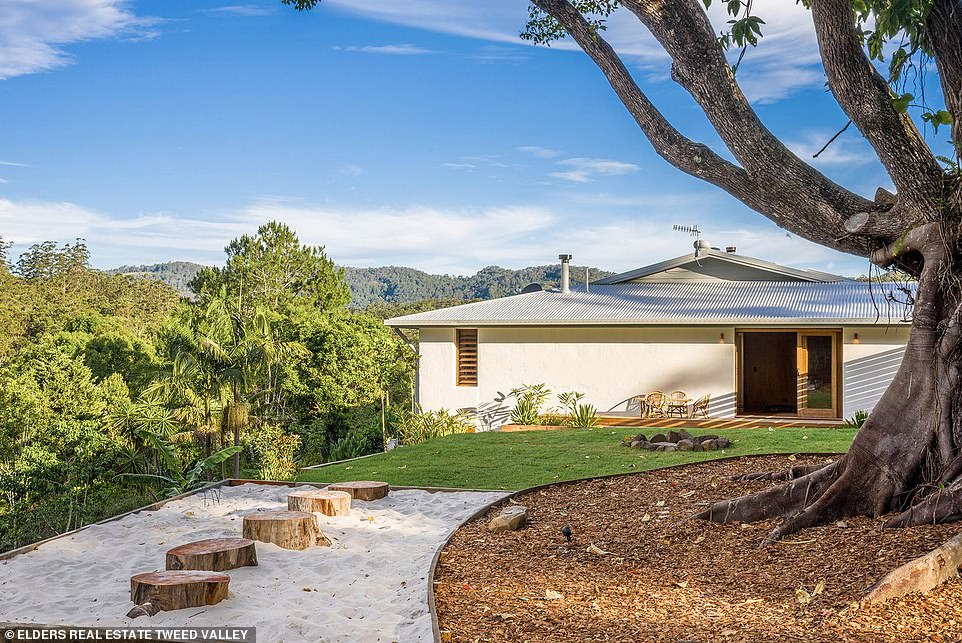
{"points": [[869, 365], [608, 365], [436, 374]]}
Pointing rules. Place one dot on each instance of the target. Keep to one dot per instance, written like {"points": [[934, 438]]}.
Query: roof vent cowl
{"points": [[700, 246]]}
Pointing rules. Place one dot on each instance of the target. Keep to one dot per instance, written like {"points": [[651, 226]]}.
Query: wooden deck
{"points": [[740, 422]]}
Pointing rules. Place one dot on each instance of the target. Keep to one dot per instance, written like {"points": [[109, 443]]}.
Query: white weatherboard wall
{"points": [[869, 365], [608, 365]]}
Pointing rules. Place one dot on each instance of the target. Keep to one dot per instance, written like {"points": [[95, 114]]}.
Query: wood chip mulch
{"points": [[658, 579]]}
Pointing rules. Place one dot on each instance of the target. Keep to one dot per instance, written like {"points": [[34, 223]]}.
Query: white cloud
{"points": [[33, 33], [467, 167], [584, 170], [499, 54], [13, 164], [350, 169], [847, 150], [389, 50], [451, 241], [539, 152], [785, 61], [249, 10]]}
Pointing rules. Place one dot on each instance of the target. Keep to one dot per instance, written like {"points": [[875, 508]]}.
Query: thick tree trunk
{"points": [[907, 458]]}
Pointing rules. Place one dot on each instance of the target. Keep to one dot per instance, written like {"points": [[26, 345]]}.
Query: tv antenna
{"points": [[692, 230]]}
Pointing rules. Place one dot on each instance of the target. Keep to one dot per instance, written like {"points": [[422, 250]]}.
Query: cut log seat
{"points": [[213, 554], [325, 501], [175, 590], [287, 529], [363, 489]]}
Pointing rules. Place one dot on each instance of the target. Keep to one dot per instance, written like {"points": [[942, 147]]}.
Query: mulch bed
{"points": [[662, 580]]}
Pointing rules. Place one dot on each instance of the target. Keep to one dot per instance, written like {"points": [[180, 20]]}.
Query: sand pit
{"points": [[370, 585]]}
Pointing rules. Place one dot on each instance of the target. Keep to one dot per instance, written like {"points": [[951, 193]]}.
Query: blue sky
{"points": [[420, 133]]}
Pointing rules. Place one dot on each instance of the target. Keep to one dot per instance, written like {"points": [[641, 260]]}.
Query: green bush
{"points": [[857, 420], [530, 398], [421, 426], [583, 416], [577, 414], [275, 452], [351, 445]]}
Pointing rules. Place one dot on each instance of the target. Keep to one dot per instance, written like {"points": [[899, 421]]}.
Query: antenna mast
{"points": [[692, 230]]}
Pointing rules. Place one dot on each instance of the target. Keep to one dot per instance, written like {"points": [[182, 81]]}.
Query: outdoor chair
{"points": [[677, 404], [700, 407], [657, 403]]}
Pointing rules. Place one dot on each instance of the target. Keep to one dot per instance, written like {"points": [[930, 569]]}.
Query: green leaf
{"points": [[901, 103], [941, 117]]}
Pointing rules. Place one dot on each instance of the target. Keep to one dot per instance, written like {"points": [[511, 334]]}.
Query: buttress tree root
{"points": [[906, 458]]}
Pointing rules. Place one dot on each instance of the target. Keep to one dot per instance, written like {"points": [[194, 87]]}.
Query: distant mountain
{"points": [[176, 273], [397, 284]]}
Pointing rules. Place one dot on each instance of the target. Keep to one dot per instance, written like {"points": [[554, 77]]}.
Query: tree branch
{"points": [[919, 239], [865, 97], [689, 156], [774, 181], [943, 26]]}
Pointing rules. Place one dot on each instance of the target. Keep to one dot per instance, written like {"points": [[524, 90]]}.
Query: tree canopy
{"points": [[907, 457]]}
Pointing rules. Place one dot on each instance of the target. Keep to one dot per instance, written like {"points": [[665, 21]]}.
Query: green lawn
{"points": [[496, 460]]}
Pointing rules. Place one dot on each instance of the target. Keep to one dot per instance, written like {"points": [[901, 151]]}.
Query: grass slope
{"points": [[519, 460]]}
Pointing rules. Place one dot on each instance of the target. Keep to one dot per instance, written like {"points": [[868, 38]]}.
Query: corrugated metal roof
{"points": [[718, 302], [717, 255]]}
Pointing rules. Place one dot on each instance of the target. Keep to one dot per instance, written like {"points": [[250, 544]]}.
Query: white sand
{"points": [[371, 585]]}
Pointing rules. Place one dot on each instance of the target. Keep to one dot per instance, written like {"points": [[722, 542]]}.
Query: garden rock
{"points": [[680, 440], [511, 518]]}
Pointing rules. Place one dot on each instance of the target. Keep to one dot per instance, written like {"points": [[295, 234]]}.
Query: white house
{"points": [[760, 338]]}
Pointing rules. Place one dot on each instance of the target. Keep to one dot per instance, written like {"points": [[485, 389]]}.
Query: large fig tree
{"points": [[907, 458]]}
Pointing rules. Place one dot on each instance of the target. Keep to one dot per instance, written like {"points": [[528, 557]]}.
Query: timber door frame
{"points": [[836, 333], [802, 372]]}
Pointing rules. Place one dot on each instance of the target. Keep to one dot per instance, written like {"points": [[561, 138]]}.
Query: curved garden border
{"points": [[432, 601]]}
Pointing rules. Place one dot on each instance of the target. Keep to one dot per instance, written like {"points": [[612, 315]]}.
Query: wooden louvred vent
{"points": [[467, 340]]}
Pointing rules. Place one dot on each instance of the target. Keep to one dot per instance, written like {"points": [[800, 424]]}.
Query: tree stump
{"points": [[175, 590], [213, 554], [287, 529], [325, 501], [363, 489]]}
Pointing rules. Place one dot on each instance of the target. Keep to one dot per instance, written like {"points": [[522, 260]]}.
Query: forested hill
{"points": [[175, 273], [397, 284]]}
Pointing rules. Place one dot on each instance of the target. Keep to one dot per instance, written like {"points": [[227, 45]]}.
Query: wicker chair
{"points": [[700, 407], [677, 406], [657, 403]]}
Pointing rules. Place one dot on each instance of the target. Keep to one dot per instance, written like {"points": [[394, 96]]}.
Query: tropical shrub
{"points": [[857, 420], [421, 426], [577, 414], [275, 452], [175, 478], [583, 416], [353, 444], [530, 398]]}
